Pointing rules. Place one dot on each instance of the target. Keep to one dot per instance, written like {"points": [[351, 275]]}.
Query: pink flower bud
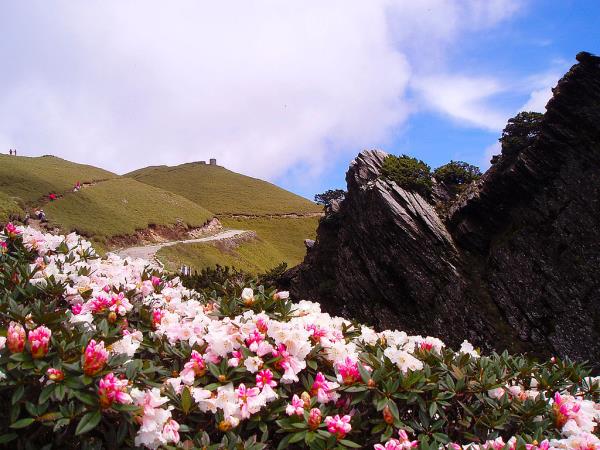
{"points": [[15, 337], [314, 418], [95, 357], [55, 374], [39, 341]]}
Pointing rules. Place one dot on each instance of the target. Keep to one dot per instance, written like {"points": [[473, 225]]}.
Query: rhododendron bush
{"points": [[111, 353]]}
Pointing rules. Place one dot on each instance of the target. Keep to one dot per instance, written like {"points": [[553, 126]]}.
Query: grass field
{"points": [[279, 240], [30, 179], [8, 207], [251, 257], [223, 191], [121, 206]]}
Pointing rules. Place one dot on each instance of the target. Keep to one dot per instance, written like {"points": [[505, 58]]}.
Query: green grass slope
{"points": [[223, 191], [252, 257], [9, 207], [121, 206], [30, 179], [279, 240]]}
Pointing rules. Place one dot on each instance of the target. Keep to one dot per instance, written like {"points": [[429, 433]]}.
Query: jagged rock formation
{"points": [[514, 262]]}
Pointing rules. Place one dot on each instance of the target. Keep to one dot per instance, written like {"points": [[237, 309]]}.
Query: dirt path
{"points": [[149, 251]]}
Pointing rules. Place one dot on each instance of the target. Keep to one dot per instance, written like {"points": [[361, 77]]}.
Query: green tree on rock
{"points": [[409, 173]]}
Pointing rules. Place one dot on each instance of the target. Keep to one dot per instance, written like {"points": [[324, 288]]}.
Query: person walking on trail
{"points": [[10, 152], [15, 152]]}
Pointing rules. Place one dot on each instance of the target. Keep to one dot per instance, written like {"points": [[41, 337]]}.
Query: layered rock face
{"points": [[513, 263]]}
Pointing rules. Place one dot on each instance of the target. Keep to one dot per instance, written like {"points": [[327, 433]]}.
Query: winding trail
{"points": [[148, 252]]}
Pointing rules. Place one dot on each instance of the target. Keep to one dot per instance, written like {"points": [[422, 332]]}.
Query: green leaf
{"points": [[186, 400], [20, 357], [46, 393], [350, 444], [88, 422], [23, 423], [18, 394], [8, 437], [297, 437], [85, 397]]}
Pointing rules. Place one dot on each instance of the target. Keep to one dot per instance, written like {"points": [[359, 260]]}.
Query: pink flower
{"points": [[157, 316], [254, 339], [314, 418], [316, 332], [55, 374], [76, 309], [544, 445], [170, 431], [282, 353], [262, 325], [323, 389], [112, 390], [281, 295], [265, 378], [120, 304], [11, 230], [296, 407], [196, 366], [94, 358], [348, 371], [15, 337], [155, 281], [340, 426], [99, 304], [3, 247], [246, 396], [404, 443], [39, 340], [392, 444]]}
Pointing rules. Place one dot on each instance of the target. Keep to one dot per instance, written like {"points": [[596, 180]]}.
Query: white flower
{"points": [[467, 348], [404, 360], [247, 295], [253, 364], [2, 342]]}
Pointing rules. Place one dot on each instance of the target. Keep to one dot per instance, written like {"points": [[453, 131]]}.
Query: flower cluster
{"points": [[114, 338]]}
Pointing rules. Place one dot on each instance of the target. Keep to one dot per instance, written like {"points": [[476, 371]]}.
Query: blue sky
{"points": [[285, 91], [541, 39]]}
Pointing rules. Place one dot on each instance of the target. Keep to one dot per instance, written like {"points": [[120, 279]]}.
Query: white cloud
{"points": [[490, 151], [266, 86], [463, 98]]}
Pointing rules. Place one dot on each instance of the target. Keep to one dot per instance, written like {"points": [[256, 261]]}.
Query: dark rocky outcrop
{"points": [[513, 262]]}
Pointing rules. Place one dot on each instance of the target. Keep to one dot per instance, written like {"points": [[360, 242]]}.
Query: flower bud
{"points": [[222, 378], [39, 341], [314, 418], [112, 317], [55, 374], [95, 357], [388, 417], [305, 397], [15, 337]]}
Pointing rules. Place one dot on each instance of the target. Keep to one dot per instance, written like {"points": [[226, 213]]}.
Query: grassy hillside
{"points": [[223, 191], [8, 208], [122, 206], [279, 240], [251, 257], [30, 179]]}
